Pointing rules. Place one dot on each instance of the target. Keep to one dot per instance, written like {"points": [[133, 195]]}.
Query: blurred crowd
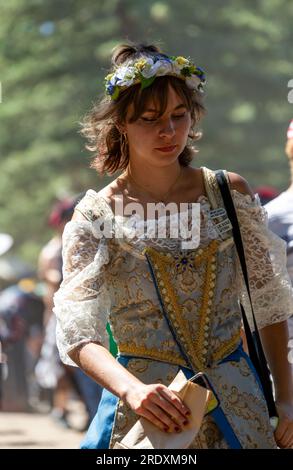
{"points": [[33, 379]]}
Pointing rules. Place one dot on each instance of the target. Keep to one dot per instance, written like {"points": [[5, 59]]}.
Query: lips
{"points": [[167, 149]]}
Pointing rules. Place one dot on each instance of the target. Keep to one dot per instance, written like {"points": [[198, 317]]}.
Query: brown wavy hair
{"points": [[100, 124]]}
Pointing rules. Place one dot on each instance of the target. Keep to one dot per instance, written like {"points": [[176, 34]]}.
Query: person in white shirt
{"points": [[280, 214]]}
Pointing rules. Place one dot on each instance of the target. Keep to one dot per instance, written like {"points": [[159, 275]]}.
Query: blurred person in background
{"points": [[266, 193], [21, 318], [52, 374], [280, 213], [6, 241]]}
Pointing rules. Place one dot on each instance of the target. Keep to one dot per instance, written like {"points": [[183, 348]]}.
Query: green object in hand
{"points": [[112, 343]]}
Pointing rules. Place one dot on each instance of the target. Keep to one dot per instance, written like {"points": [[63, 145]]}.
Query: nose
{"points": [[167, 128]]}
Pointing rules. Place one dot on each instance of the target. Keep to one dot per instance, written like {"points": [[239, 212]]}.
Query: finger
{"points": [[288, 444], [175, 401], [167, 407], [281, 429], [154, 420], [287, 439], [163, 417]]}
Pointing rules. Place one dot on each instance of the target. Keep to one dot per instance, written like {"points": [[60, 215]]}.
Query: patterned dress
{"points": [[140, 283]]}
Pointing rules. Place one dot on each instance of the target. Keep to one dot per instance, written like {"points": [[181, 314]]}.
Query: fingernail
{"points": [[177, 429]]}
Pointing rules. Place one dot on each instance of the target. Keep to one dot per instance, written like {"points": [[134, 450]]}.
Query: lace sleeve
{"points": [[265, 254], [82, 303]]}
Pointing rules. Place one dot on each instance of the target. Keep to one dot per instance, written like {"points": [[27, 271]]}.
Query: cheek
{"points": [[140, 136], [184, 126]]}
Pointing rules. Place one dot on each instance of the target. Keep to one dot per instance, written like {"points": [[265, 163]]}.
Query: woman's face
{"points": [[158, 140]]}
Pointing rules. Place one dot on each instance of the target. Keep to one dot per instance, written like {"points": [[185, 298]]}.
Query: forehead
{"points": [[172, 100], [158, 99]]}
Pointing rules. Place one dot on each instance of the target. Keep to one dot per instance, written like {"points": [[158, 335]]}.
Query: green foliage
{"points": [[53, 59]]}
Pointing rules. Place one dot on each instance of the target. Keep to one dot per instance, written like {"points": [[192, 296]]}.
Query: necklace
{"points": [[161, 201]]}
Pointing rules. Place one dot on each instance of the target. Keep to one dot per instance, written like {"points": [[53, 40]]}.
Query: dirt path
{"points": [[33, 431]]}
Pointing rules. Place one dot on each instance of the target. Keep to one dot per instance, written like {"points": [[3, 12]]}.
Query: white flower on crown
{"points": [[175, 69], [125, 75], [148, 68], [161, 67], [145, 66]]}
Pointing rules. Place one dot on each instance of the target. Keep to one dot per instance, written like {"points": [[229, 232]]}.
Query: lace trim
{"points": [[241, 199]]}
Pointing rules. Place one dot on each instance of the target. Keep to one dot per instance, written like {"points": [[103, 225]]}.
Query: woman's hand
{"points": [[159, 405], [284, 431]]}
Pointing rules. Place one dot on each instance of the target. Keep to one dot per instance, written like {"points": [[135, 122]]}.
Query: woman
{"points": [[141, 282]]}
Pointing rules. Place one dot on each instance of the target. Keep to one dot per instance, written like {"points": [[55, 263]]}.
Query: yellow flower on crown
{"points": [[182, 60], [140, 64], [109, 76]]}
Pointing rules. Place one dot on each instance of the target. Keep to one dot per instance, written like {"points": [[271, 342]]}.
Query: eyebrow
{"points": [[179, 106]]}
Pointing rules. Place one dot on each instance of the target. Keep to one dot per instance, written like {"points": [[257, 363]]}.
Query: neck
{"points": [[159, 181]]}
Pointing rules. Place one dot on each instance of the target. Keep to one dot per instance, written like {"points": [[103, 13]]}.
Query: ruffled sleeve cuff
{"points": [[265, 254]]}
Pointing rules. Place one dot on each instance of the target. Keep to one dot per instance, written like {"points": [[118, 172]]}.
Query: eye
{"points": [[149, 119], [175, 116], [178, 116]]}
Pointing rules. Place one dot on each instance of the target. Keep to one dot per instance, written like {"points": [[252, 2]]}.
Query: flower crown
{"points": [[146, 69]]}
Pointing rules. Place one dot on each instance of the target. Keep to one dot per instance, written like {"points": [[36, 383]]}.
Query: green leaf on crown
{"points": [[147, 82]]}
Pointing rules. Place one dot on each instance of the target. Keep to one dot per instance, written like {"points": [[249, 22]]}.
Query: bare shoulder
{"points": [[78, 216], [109, 192], [240, 184], [106, 193]]}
